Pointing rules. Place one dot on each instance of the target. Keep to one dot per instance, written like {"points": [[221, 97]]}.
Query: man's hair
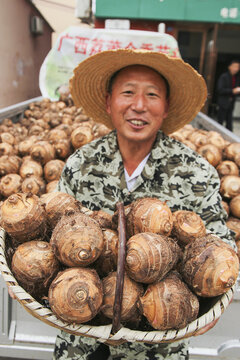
{"points": [[234, 61], [113, 78]]}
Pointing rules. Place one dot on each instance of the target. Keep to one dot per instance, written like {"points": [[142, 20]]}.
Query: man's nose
{"points": [[139, 103]]}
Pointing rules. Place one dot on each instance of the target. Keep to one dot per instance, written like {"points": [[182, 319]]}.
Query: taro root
{"points": [[198, 138], [149, 215], [10, 184], [56, 134], [30, 167], [51, 186], [63, 148], [76, 295], [188, 128], [214, 138], [42, 123], [237, 159], [108, 258], [177, 135], [36, 113], [81, 136], [190, 145], [149, 256], [131, 293], [27, 158], [54, 120], [234, 206], [57, 204], [23, 217], [209, 266], [34, 265], [234, 225], [3, 128], [36, 130], [9, 164], [24, 146], [103, 218], [42, 152], [77, 240], [169, 303], [238, 249], [101, 130], [231, 150], [64, 92], [6, 149], [19, 132], [87, 211], [8, 122], [66, 120], [33, 184], [187, 226], [60, 105], [211, 153], [53, 169], [66, 128], [230, 186], [81, 120], [184, 132], [227, 167], [225, 207], [7, 137]]}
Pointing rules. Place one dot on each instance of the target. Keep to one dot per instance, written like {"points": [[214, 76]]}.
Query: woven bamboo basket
{"points": [[104, 333]]}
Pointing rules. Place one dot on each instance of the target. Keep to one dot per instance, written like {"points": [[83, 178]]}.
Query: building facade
{"points": [[207, 31], [25, 42]]}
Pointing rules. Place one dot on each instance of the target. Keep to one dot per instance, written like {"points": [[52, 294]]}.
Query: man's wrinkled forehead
{"points": [[129, 67]]}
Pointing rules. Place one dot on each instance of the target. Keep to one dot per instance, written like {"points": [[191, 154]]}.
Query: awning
{"points": [[217, 11]]}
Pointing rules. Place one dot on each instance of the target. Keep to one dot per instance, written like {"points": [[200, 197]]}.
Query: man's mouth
{"points": [[137, 122]]}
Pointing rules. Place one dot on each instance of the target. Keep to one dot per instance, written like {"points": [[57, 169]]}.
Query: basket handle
{"points": [[117, 307]]}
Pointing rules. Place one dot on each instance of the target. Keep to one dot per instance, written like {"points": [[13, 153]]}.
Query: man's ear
{"points": [[166, 109], [108, 103]]}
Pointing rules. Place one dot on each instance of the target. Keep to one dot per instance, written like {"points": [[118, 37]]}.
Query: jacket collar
{"points": [[158, 152]]}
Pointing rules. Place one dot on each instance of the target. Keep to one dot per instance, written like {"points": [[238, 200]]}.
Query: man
{"points": [[228, 87], [137, 93]]}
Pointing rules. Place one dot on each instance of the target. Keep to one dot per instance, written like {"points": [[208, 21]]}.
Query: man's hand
{"points": [[206, 328], [236, 90], [11, 293]]}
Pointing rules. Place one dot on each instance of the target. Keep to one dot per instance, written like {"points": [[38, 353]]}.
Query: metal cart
{"points": [[24, 336]]}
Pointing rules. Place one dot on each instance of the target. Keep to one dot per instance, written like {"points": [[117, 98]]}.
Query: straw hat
{"points": [[91, 77]]}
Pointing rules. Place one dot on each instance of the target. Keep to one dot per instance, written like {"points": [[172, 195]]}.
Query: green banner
{"points": [[217, 11]]}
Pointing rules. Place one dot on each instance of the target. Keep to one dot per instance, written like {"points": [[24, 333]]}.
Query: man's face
{"points": [[234, 68], [137, 104]]}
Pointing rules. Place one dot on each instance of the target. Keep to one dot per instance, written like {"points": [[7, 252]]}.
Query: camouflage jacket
{"points": [[174, 173]]}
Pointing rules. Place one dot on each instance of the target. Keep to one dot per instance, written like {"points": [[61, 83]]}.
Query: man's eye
{"points": [[152, 94], [127, 92]]}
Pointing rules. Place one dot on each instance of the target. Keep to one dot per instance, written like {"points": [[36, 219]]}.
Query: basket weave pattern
{"points": [[103, 333]]}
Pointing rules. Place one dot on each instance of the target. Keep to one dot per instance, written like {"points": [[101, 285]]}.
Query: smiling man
{"points": [[137, 103], [143, 96]]}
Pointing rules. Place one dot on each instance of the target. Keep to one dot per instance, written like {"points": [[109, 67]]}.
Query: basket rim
{"points": [[103, 332]]}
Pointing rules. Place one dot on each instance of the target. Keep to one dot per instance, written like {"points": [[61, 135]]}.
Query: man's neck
{"points": [[131, 165], [133, 153]]}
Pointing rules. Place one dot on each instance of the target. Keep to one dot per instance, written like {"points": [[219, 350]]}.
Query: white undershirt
{"points": [[130, 180]]}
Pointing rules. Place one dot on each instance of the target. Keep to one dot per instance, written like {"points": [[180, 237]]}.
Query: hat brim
{"points": [[89, 84]]}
